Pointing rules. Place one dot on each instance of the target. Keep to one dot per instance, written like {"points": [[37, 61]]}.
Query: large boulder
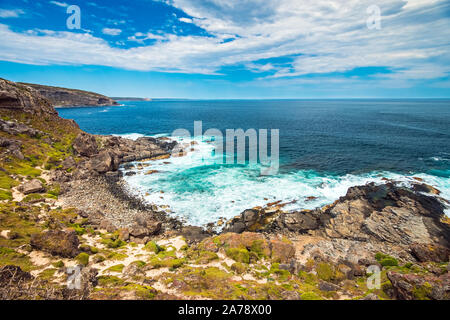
{"points": [[32, 186], [85, 145], [63, 243], [103, 162]]}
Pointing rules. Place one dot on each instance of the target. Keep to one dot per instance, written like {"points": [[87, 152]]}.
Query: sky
{"points": [[234, 49]]}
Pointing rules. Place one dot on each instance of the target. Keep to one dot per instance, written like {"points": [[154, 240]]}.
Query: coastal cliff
{"points": [[63, 97], [62, 204]]}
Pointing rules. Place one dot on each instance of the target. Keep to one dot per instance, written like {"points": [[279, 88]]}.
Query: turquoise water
{"points": [[325, 147]]}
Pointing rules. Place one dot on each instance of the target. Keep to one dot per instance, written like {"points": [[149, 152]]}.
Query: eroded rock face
{"points": [[380, 213], [387, 213], [16, 96], [71, 97], [63, 243]]}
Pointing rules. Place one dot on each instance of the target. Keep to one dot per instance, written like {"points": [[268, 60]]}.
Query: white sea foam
{"points": [[131, 136], [199, 191]]}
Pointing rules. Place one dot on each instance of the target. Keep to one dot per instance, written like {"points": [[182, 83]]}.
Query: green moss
{"points": [[25, 168], [78, 229], [152, 246], [47, 274], [308, 278], [166, 260], [239, 255], [117, 268], [110, 243], [55, 190], [143, 292], [112, 255], [109, 281], [389, 261], [281, 274], [325, 271], [310, 296], [201, 256], [32, 197], [238, 267], [83, 258], [408, 265], [139, 263], [5, 195], [386, 260], [58, 264], [423, 292], [11, 257], [94, 250], [258, 248], [99, 258], [6, 182], [21, 221]]}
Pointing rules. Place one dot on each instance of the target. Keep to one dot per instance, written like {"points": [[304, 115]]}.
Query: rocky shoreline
{"points": [[63, 205]]}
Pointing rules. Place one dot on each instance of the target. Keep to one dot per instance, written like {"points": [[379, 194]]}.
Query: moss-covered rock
{"points": [[82, 258]]}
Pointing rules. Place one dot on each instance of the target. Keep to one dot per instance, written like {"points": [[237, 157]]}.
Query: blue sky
{"points": [[232, 49]]}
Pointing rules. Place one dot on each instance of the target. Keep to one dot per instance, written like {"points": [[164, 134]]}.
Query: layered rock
{"points": [[16, 96], [368, 219], [71, 97]]}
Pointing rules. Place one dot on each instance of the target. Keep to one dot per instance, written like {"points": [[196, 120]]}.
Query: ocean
{"points": [[326, 146]]}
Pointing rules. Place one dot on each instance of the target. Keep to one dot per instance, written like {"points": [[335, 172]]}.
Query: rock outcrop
{"points": [[16, 96], [389, 218], [64, 97]]}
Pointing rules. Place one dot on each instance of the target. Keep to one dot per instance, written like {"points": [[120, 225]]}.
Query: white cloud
{"points": [[59, 4], [111, 31], [322, 37], [4, 13], [186, 20]]}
